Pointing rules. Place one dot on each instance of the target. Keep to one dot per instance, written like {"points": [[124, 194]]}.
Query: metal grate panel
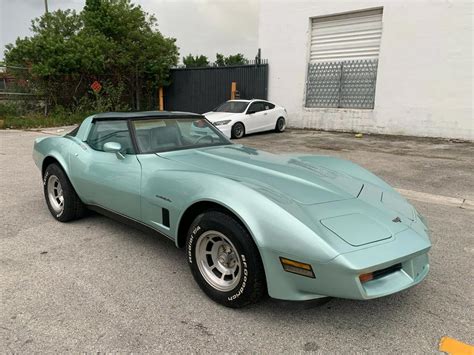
{"points": [[342, 84]]}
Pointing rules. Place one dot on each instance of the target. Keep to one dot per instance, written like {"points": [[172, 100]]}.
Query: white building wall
{"points": [[424, 82]]}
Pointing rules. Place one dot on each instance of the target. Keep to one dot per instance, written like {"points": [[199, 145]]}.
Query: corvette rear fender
{"points": [[52, 149]]}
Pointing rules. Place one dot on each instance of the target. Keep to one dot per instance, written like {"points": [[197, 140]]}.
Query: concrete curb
{"points": [[437, 199]]}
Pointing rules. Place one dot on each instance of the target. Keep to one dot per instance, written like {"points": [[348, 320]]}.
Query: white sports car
{"points": [[235, 118]]}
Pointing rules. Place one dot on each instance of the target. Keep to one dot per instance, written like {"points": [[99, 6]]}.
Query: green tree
{"points": [[235, 59], [113, 41], [191, 61], [220, 60]]}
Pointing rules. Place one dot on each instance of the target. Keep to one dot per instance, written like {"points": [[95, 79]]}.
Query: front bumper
{"points": [[225, 129], [340, 276]]}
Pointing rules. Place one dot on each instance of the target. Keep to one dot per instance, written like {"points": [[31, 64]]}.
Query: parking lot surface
{"points": [[98, 285]]}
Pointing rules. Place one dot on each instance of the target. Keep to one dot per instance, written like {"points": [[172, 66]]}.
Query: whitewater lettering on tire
{"points": [[45, 178], [245, 273], [190, 244]]}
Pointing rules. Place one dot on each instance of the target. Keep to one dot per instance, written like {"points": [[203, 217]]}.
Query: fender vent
{"points": [[165, 217]]}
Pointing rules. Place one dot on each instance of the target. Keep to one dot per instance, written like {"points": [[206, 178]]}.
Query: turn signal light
{"points": [[366, 277], [295, 267]]}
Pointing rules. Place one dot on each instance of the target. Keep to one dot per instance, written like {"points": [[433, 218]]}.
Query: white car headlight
{"points": [[221, 123]]}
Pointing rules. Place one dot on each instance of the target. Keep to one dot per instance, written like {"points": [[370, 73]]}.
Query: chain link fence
{"points": [[343, 84]]}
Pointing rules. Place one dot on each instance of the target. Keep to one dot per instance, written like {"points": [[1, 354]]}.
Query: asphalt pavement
{"points": [[96, 285]]}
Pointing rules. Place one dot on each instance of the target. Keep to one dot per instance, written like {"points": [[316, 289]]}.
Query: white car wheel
{"points": [[238, 130], [280, 125]]}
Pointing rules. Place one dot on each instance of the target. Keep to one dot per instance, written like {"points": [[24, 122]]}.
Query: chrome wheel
{"points": [[55, 194], [218, 261]]}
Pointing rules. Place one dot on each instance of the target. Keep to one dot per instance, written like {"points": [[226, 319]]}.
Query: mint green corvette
{"points": [[251, 223]]}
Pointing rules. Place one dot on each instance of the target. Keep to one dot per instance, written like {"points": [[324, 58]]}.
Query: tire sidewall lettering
{"points": [[191, 250], [45, 178], [245, 273], [192, 236]]}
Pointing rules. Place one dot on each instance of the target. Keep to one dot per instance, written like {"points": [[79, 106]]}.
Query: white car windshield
{"points": [[232, 107]]}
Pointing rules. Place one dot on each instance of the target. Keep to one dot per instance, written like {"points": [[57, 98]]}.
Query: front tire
{"points": [[224, 260], [62, 200], [238, 130]]}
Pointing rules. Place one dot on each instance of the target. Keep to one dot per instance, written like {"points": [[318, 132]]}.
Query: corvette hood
{"points": [[278, 175], [219, 116]]}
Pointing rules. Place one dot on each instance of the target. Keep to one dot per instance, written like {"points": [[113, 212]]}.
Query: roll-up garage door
{"points": [[345, 37]]}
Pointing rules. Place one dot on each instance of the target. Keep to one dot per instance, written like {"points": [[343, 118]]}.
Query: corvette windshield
{"points": [[232, 107], [161, 135]]}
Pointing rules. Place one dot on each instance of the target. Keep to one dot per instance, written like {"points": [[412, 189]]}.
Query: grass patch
{"points": [[37, 120]]}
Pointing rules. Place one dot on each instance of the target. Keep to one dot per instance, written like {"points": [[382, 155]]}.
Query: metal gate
{"points": [[202, 89], [344, 84]]}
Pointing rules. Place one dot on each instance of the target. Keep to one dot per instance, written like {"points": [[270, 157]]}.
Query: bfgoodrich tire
{"points": [[62, 200], [224, 260]]}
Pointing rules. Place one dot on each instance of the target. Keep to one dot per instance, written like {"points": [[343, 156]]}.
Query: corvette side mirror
{"points": [[114, 147]]}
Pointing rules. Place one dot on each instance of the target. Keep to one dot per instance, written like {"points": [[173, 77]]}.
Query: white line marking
{"points": [[437, 199]]}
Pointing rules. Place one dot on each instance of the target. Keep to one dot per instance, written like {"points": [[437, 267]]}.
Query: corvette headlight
{"points": [[221, 123]]}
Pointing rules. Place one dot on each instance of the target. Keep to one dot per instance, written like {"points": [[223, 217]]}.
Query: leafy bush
{"points": [[111, 41], [20, 107], [108, 99]]}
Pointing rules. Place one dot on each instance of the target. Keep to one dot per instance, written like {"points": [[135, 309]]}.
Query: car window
{"points": [[268, 106], [256, 106], [110, 131], [232, 107], [161, 135]]}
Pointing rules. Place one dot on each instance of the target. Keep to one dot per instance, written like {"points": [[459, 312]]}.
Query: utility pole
{"points": [[46, 6]]}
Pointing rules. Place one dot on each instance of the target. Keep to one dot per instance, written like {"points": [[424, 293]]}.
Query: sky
{"points": [[200, 26]]}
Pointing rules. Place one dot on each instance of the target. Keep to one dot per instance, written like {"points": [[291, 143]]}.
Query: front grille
{"points": [[384, 272]]}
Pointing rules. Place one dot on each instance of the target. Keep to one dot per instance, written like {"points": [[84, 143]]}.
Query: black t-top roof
{"points": [[145, 115]]}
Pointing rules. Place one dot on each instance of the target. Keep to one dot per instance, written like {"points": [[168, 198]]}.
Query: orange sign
{"points": [[96, 86]]}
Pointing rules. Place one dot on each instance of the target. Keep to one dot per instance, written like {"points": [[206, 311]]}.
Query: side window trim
{"points": [[133, 136]]}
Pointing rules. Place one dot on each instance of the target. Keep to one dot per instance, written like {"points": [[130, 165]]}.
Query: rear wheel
{"points": [[238, 130], [62, 200], [280, 125], [224, 260]]}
